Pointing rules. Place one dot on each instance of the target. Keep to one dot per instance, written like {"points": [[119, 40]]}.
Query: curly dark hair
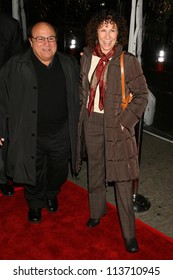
{"points": [[108, 16]]}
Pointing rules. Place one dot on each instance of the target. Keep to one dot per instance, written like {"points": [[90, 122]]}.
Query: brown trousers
{"points": [[95, 145]]}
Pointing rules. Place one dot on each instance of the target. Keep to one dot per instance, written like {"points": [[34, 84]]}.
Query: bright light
{"points": [[161, 56], [161, 59], [73, 44]]}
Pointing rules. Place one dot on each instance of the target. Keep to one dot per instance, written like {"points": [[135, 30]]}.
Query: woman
{"points": [[104, 128]]}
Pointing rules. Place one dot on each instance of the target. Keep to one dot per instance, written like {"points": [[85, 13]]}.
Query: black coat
{"points": [[11, 41], [18, 103]]}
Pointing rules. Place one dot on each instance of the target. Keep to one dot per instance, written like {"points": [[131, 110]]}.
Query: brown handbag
{"points": [[125, 100]]}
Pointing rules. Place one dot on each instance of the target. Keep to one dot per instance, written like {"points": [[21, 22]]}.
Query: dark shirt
{"points": [[52, 96]]}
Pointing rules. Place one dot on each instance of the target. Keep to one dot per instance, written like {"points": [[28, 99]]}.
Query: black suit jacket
{"points": [[11, 41]]}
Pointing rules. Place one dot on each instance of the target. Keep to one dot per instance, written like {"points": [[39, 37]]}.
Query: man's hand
{"points": [[1, 141]]}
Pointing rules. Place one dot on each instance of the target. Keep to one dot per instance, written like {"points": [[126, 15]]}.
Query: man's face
{"points": [[42, 47]]}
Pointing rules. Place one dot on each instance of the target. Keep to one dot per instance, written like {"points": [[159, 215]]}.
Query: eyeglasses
{"points": [[41, 39]]}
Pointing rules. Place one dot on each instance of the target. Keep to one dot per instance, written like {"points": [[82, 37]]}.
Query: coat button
{"points": [[34, 111]]}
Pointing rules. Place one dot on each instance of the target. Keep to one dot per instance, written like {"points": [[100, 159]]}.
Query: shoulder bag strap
{"points": [[122, 75]]}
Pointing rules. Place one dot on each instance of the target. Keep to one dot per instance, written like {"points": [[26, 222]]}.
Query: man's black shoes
{"points": [[7, 189], [52, 205], [34, 215]]}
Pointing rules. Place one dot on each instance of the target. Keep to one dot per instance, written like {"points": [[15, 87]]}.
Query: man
{"points": [[10, 43], [39, 93]]}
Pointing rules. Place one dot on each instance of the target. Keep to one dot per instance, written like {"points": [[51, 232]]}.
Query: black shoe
{"points": [[34, 215], [7, 189], [131, 245], [92, 223], [52, 205]]}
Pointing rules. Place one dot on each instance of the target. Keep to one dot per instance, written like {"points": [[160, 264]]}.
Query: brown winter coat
{"points": [[121, 154]]}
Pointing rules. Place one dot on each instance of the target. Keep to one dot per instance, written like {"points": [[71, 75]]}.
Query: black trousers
{"points": [[2, 179], [3, 153], [51, 167]]}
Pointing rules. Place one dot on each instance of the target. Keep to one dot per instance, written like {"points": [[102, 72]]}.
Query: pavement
{"points": [[155, 182]]}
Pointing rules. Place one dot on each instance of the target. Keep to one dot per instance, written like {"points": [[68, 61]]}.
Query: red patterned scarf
{"points": [[99, 77]]}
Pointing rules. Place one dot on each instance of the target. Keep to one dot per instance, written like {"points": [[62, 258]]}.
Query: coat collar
{"points": [[88, 51]]}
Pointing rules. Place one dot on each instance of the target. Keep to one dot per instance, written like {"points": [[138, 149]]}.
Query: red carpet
{"points": [[64, 236]]}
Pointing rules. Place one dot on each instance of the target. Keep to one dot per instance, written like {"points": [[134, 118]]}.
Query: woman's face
{"points": [[107, 36]]}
